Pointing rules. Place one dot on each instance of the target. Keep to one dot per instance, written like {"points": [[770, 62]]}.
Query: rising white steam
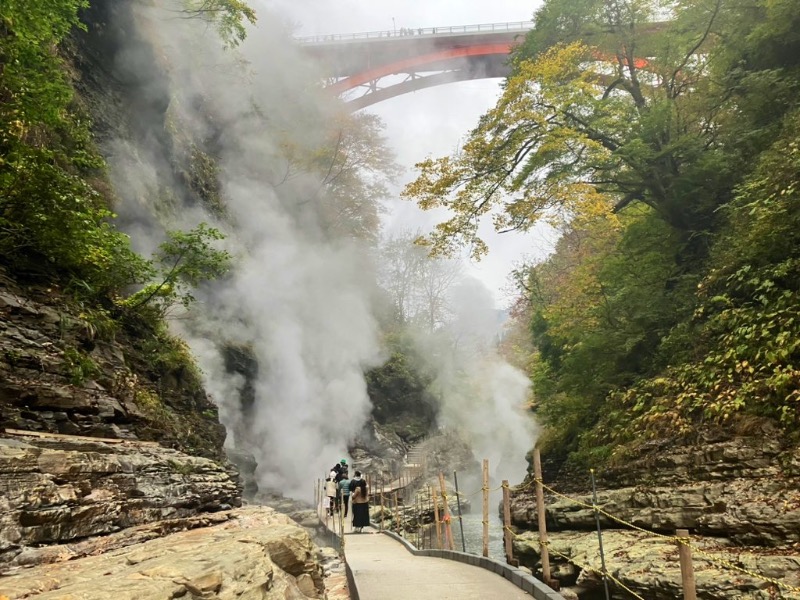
{"points": [[482, 397], [299, 300], [456, 328]]}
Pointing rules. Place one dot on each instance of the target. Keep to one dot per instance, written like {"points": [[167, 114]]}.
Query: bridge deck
{"points": [[415, 34], [384, 570]]}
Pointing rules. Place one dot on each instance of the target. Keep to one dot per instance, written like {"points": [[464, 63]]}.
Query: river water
{"points": [[473, 532]]}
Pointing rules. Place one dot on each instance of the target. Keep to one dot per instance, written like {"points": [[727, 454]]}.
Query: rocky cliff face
{"points": [[113, 479], [738, 497], [61, 372], [60, 490]]}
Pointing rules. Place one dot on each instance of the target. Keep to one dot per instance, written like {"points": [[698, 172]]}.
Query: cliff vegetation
{"points": [[662, 144]]}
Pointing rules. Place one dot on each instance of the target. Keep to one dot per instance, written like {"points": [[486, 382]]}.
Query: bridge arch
{"points": [[373, 61]]}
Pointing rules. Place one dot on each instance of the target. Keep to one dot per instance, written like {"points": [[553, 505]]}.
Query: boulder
{"points": [[238, 559]]}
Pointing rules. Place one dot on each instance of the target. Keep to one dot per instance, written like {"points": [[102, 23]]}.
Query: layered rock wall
{"points": [[59, 490], [738, 497], [59, 373], [745, 490]]}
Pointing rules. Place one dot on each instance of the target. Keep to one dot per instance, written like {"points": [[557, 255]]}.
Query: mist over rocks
{"points": [[300, 295], [213, 136], [482, 397]]}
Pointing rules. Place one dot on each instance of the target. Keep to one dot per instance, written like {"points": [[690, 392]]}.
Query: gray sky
{"points": [[432, 121]]}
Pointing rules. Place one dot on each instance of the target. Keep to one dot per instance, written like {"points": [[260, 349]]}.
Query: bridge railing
{"points": [[410, 32]]}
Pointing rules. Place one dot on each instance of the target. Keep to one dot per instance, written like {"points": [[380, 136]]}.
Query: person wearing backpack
{"points": [[330, 495]]}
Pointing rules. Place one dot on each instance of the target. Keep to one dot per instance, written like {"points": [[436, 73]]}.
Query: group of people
{"points": [[340, 489]]}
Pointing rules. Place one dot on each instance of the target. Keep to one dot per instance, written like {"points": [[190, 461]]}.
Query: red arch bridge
{"points": [[385, 64]]}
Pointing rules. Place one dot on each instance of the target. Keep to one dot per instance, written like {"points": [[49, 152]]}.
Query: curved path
{"points": [[384, 570]]}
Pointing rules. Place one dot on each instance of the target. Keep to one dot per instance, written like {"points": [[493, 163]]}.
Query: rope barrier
{"points": [[710, 557], [714, 559], [579, 565], [463, 495], [669, 538]]}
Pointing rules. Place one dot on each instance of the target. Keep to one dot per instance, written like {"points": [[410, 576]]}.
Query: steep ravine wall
{"points": [[113, 477], [59, 374]]}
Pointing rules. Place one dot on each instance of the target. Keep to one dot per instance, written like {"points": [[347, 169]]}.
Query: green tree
{"points": [[417, 284], [668, 303], [591, 125], [740, 351], [230, 16], [184, 261], [352, 160], [52, 219]]}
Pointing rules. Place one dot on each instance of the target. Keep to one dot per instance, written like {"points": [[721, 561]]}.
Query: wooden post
{"points": [[430, 529], [507, 522], [599, 537], [460, 519], [687, 570], [436, 519], [537, 473], [382, 517], [485, 490], [421, 523], [396, 516], [417, 518], [448, 531], [341, 522]]}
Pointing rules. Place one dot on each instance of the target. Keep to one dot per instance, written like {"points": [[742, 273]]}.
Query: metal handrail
{"points": [[405, 32]]}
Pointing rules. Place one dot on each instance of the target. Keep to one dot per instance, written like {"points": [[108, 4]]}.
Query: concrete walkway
{"points": [[384, 570]]}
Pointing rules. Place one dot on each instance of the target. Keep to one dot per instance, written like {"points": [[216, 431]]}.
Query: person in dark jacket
{"points": [[360, 497]]}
